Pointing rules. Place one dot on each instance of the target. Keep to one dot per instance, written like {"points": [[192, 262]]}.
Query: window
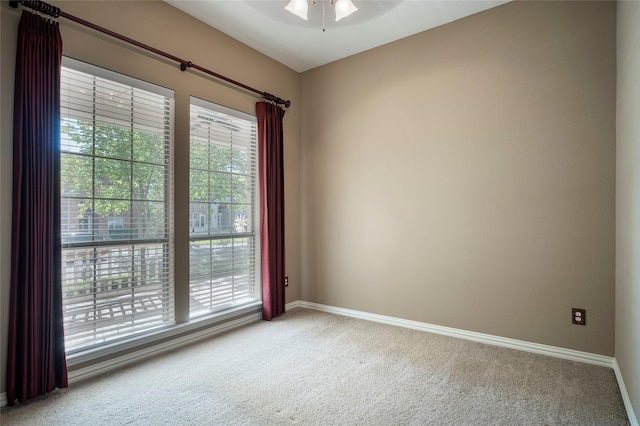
{"points": [[197, 222], [223, 209], [116, 206]]}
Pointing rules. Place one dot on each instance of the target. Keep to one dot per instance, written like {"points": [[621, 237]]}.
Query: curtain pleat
{"points": [[36, 361], [271, 169]]}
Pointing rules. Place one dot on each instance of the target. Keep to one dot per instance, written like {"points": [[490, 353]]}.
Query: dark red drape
{"points": [[36, 360], [270, 154]]}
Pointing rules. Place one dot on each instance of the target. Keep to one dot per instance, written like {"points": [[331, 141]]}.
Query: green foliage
{"points": [[118, 170], [219, 175], [121, 171]]}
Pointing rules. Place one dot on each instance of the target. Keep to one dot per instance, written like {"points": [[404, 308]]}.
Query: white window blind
{"points": [[116, 205], [223, 203]]}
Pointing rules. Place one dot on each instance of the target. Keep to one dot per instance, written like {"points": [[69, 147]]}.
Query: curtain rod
{"points": [[55, 12]]}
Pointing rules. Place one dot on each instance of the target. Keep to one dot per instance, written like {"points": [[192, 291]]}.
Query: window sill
{"points": [[166, 337]]}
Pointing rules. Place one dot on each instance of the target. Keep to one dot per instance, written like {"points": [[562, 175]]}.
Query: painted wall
{"points": [[164, 27], [628, 200], [465, 176]]}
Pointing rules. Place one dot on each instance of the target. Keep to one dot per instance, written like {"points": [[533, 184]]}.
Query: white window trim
{"points": [[120, 78], [258, 256], [139, 338]]}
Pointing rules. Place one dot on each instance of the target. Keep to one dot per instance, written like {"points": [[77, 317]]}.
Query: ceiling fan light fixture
{"points": [[299, 8], [344, 8]]}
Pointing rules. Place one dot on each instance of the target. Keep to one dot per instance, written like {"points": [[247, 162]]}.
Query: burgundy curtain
{"points": [[36, 361], [270, 154]]}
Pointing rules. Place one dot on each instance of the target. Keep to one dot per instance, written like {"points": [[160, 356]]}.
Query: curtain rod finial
{"points": [[276, 100]]}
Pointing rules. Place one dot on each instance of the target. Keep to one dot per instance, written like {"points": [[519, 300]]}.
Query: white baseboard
{"points": [[292, 305], [569, 354], [554, 351], [633, 420]]}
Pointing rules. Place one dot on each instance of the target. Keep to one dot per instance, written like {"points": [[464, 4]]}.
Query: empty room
{"points": [[320, 212]]}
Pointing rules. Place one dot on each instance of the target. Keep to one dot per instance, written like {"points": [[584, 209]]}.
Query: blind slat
{"points": [[116, 206], [223, 195]]}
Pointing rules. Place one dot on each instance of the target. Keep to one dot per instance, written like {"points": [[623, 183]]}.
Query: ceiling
{"points": [[302, 45]]}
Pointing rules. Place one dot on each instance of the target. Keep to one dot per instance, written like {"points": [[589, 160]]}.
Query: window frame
{"points": [[183, 329], [255, 208], [97, 244]]}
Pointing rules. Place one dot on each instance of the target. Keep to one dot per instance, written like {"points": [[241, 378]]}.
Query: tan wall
{"points": [[462, 177], [465, 176], [628, 200], [162, 26]]}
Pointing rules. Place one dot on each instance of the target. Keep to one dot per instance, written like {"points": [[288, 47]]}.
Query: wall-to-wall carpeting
{"points": [[315, 368]]}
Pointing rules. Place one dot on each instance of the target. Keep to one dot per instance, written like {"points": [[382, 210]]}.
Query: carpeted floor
{"points": [[313, 368]]}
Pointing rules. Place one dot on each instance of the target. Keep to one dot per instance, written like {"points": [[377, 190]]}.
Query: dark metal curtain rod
{"points": [[55, 12]]}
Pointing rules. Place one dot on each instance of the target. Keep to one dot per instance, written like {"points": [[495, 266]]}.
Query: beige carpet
{"points": [[313, 368]]}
